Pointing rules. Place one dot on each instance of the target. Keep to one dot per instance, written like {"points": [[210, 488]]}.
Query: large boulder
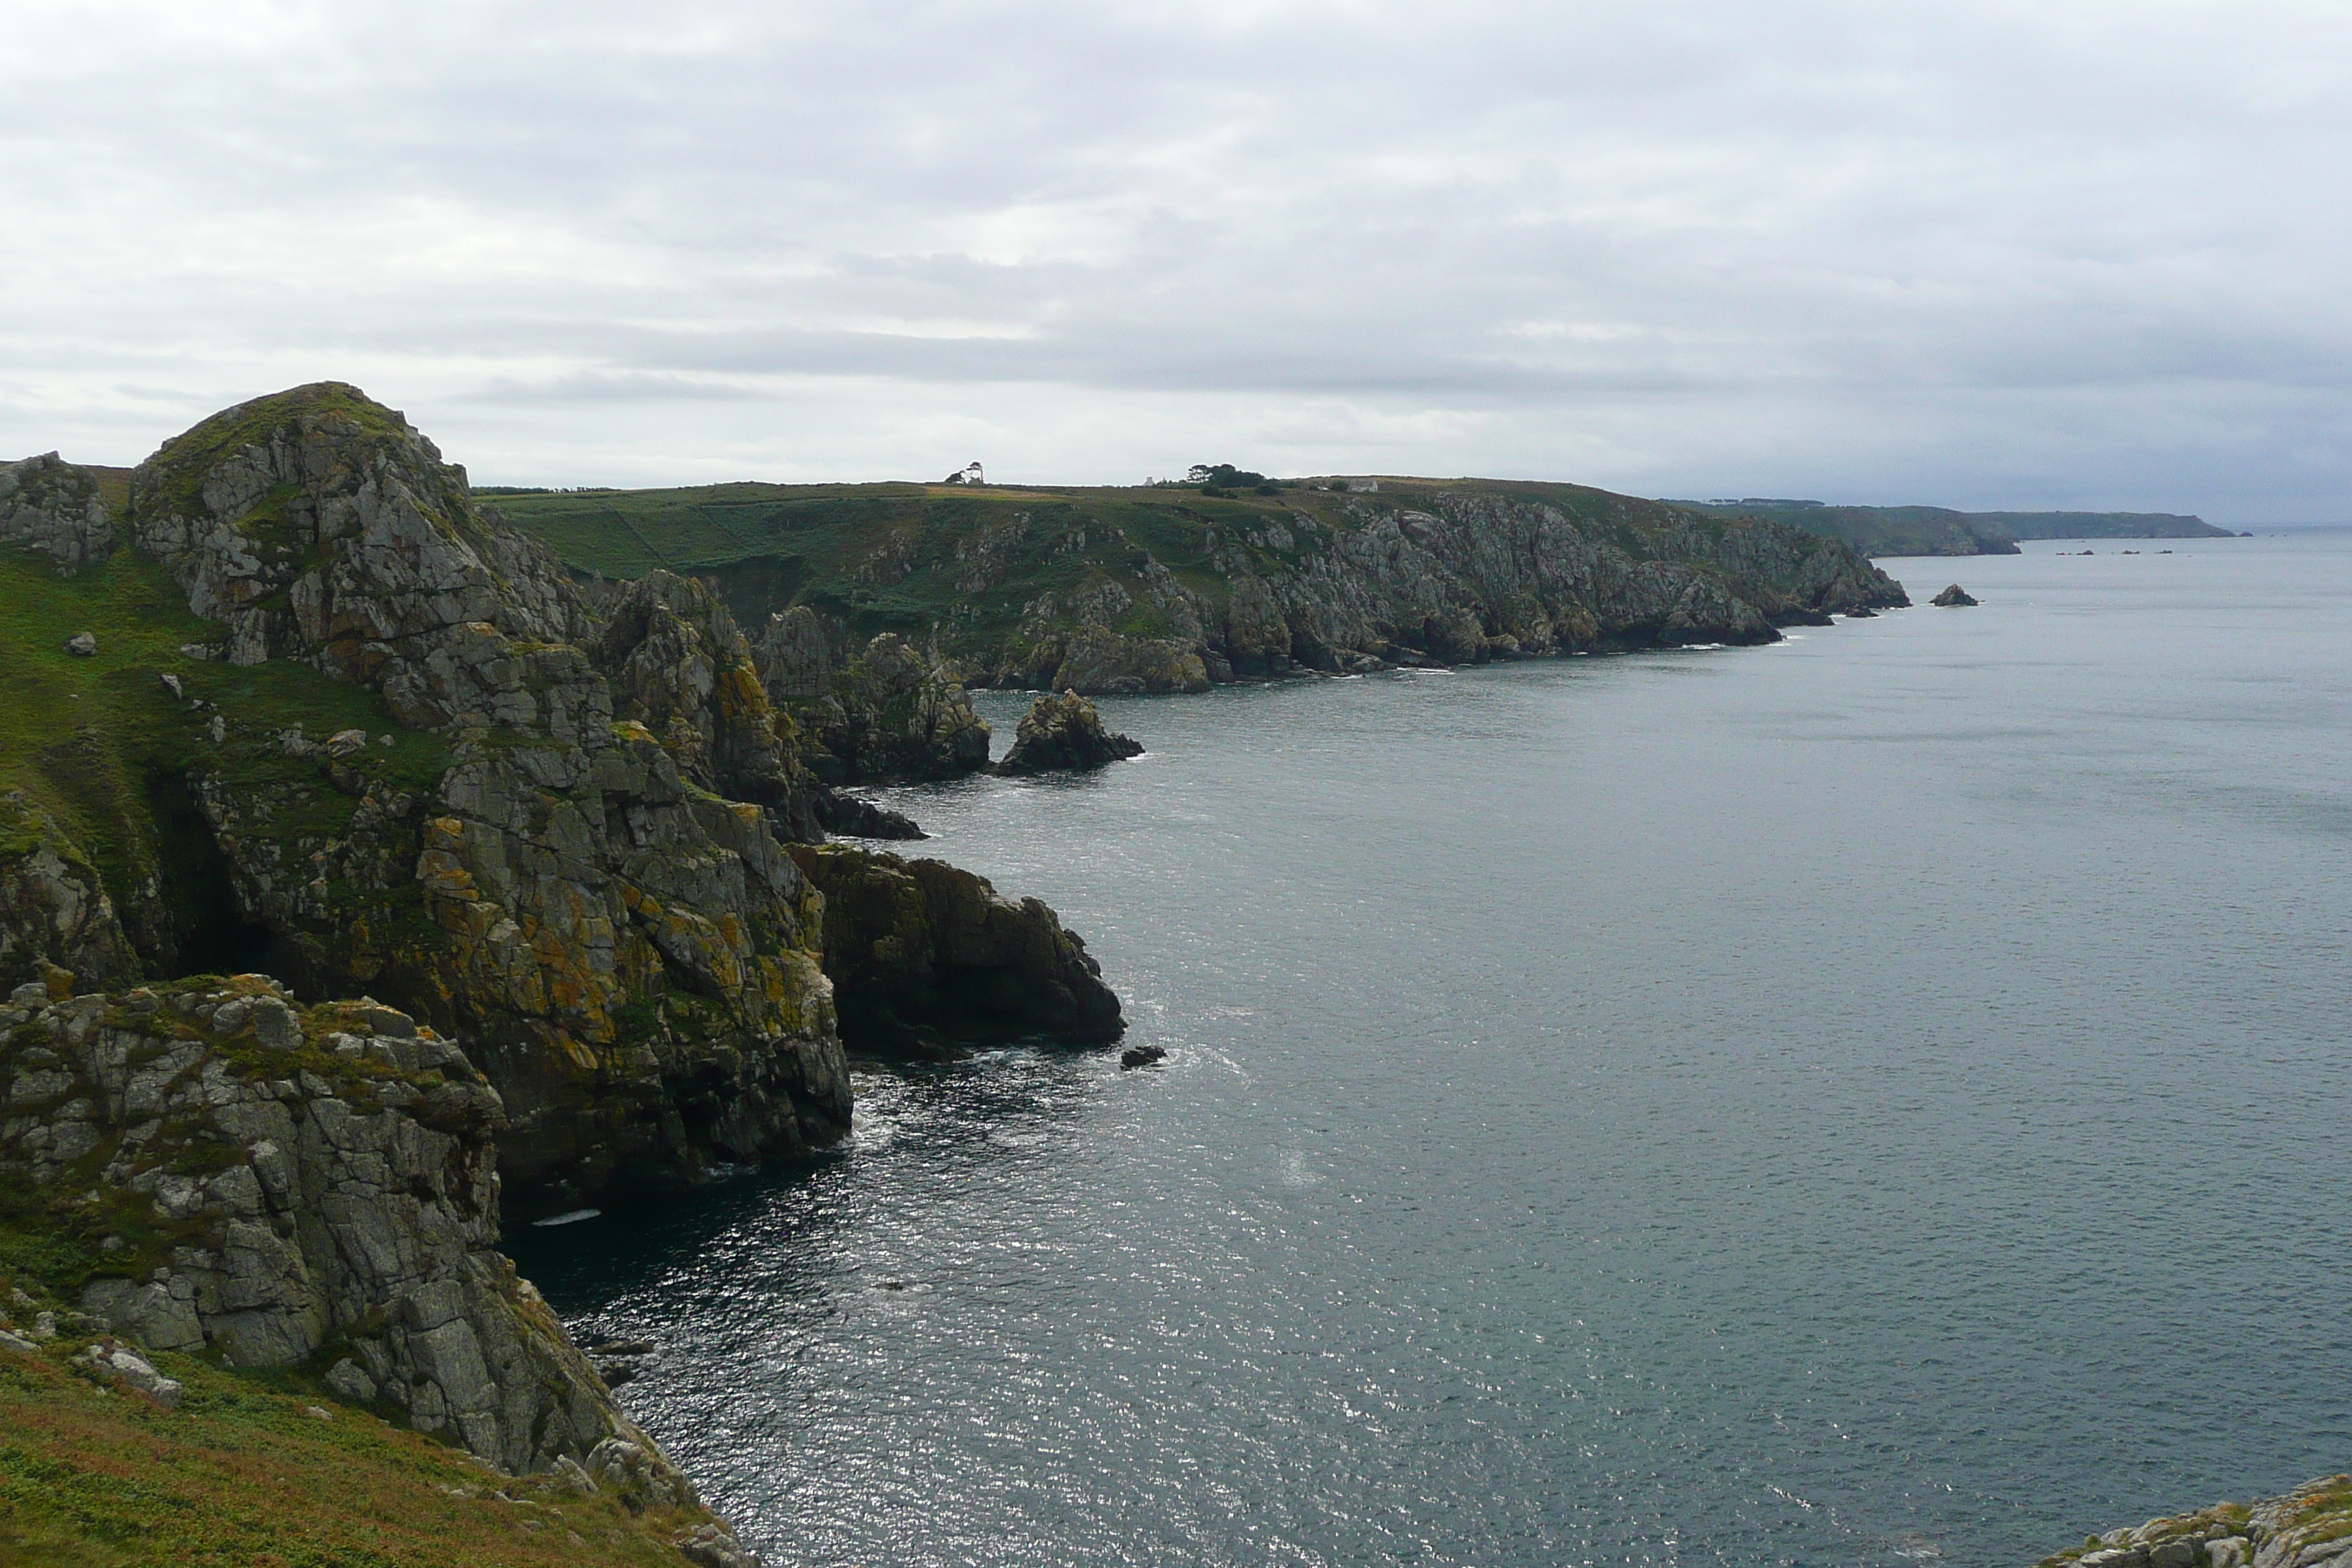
{"points": [[1062, 732], [922, 955]]}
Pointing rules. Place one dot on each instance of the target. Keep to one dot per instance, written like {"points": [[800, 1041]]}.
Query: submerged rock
{"points": [[921, 953], [1952, 597], [1062, 732]]}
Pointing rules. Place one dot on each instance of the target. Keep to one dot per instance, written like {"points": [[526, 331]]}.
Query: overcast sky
{"points": [[1979, 254]]}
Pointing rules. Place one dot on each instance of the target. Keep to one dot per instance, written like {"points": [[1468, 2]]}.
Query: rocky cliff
{"points": [[887, 711], [278, 1185], [1172, 589], [924, 955], [2310, 1527], [593, 894]]}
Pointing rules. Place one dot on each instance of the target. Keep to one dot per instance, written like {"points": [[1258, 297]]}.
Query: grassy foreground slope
{"points": [[239, 1476]]}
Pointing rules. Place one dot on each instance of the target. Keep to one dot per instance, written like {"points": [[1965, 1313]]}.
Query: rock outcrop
{"points": [[280, 1185], [887, 712], [55, 506], [1450, 575], [594, 894], [55, 915], [922, 955], [2310, 1527], [1063, 732], [1952, 597]]}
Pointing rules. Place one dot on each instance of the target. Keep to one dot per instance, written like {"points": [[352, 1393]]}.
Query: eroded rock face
{"points": [[318, 525], [274, 1180], [594, 895], [922, 954], [2310, 1527], [54, 507], [55, 913], [887, 712], [1457, 577], [1062, 731]]}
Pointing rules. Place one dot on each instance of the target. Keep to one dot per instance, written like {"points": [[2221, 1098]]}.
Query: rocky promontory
{"points": [[2310, 1527], [266, 1181], [923, 956], [359, 732], [1177, 588]]}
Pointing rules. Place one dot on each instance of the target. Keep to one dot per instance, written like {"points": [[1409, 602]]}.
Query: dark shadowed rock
{"points": [[921, 953], [1063, 732], [1952, 597], [1142, 1055], [840, 812]]}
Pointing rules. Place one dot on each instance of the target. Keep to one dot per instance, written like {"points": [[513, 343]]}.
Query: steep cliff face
{"points": [[923, 954], [593, 892], [1464, 575], [2310, 1527], [55, 915], [887, 712], [1173, 589], [281, 1186]]}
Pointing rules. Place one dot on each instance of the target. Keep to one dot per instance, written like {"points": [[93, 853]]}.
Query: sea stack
{"points": [[1063, 732], [1953, 597]]}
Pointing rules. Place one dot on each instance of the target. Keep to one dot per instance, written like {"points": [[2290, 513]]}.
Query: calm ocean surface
{"points": [[1884, 1097]]}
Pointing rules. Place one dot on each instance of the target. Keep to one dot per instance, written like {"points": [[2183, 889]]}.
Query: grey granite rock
{"points": [[54, 507], [2306, 1527], [353, 1203]]}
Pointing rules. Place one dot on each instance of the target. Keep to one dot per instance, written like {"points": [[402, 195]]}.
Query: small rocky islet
{"points": [[371, 877]]}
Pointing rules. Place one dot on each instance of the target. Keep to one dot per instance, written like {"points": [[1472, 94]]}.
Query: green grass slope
{"points": [[239, 1476]]}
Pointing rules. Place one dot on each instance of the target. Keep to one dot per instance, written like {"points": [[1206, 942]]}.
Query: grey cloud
{"points": [[1820, 245]]}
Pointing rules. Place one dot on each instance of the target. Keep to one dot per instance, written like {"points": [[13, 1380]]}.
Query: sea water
{"points": [[1877, 1099]]}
